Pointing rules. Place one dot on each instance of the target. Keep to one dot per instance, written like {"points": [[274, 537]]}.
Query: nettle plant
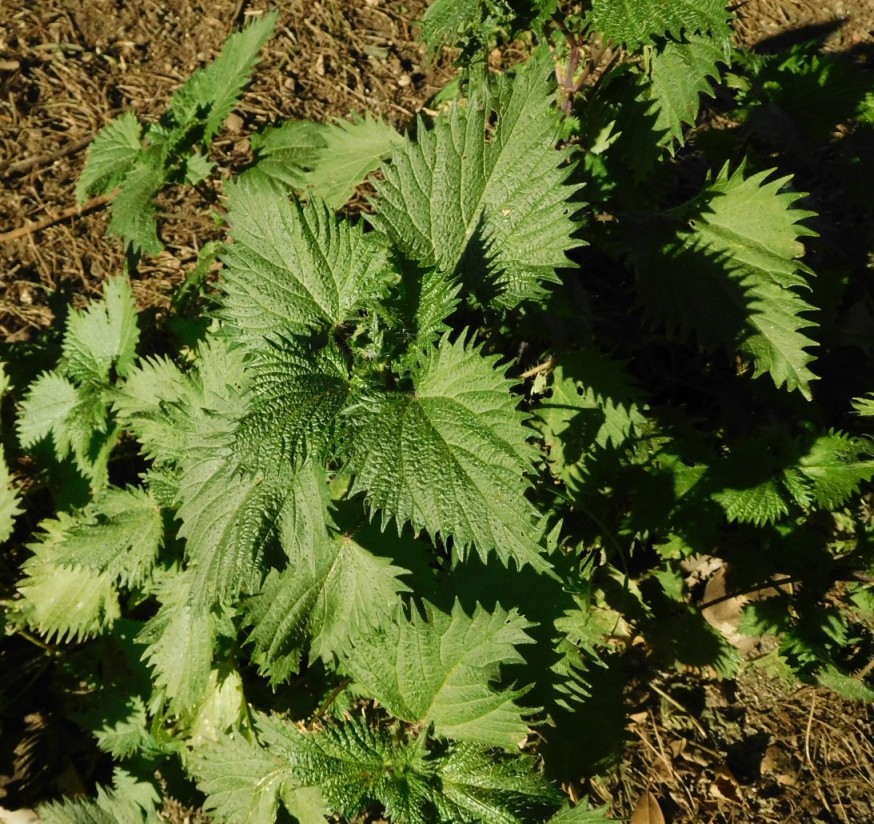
{"points": [[432, 471]]}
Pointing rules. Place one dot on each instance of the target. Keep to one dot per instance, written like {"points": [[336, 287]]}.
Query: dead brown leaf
{"points": [[647, 810]]}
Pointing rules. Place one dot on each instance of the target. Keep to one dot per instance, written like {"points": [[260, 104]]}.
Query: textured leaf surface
{"points": [[111, 155], [732, 278], [635, 22], [133, 209], [292, 268], [297, 394], [122, 737], [120, 535], [230, 515], [242, 781], [836, 466], [582, 814], [103, 336], [760, 504], [46, 408], [179, 645], [845, 685], [287, 152], [590, 404], [438, 670], [74, 418], [63, 602], [751, 222], [146, 404], [477, 787], [229, 520], [680, 74], [351, 763], [211, 93], [451, 456], [109, 808], [485, 201], [824, 472], [333, 592], [353, 149], [356, 764], [444, 19], [10, 502], [69, 603]]}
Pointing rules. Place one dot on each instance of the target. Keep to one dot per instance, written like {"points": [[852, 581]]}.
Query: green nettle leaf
{"points": [[104, 336], [864, 406], [760, 504], [229, 519], [582, 814], [451, 456], [211, 93], [731, 278], [10, 502], [294, 268], [486, 201], [824, 473], [679, 75], [76, 421], [297, 394], [197, 168], [288, 152], [751, 497], [242, 781], [111, 156], [845, 685], [439, 670], [122, 737], [445, 19], [110, 807], [9, 498], [635, 22], [68, 603], [179, 644], [835, 467], [133, 210], [145, 403], [474, 786], [70, 404], [46, 409], [342, 767], [752, 223], [591, 404], [435, 299], [177, 416], [230, 515], [119, 534], [222, 709], [65, 602], [332, 592], [353, 150], [355, 764]]}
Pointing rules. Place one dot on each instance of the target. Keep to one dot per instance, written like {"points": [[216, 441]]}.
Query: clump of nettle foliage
{"points": [[428, 474]]}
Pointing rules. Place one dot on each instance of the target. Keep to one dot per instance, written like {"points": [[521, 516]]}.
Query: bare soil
{"points": [[708, 751], [67, 67]]}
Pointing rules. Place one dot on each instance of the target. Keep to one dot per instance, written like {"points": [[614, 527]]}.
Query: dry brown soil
{"points": [[750, 751]]}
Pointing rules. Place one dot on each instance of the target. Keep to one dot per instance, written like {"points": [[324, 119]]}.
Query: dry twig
{"points": [[50, 220]]}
